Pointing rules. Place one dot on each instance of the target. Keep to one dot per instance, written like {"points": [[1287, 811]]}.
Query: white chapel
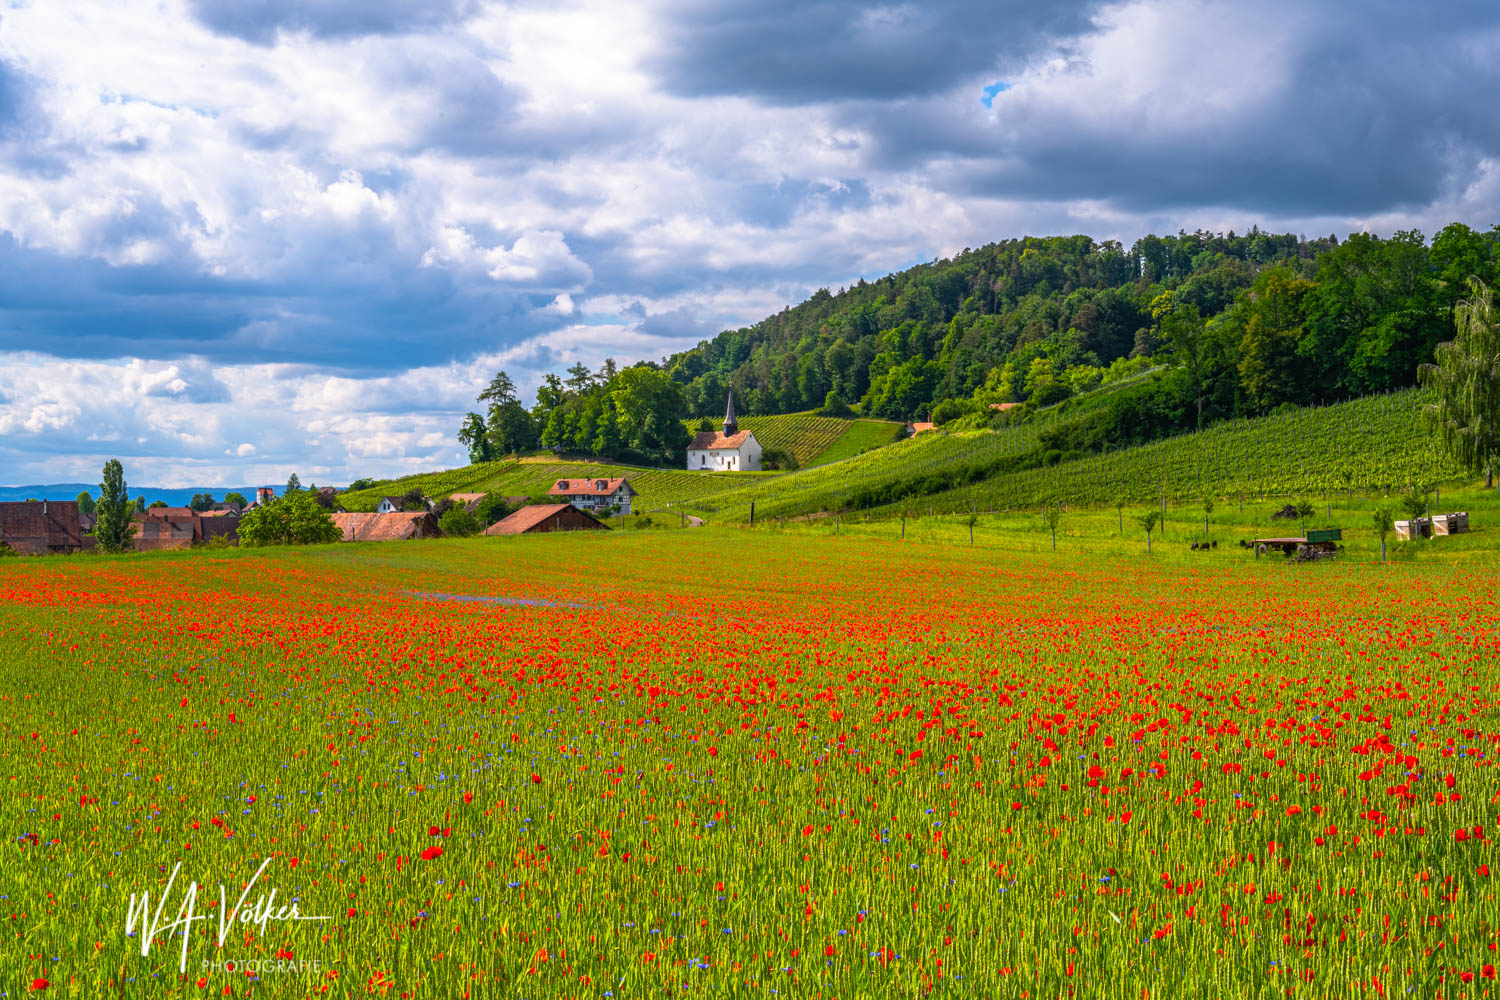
{"points": [[733, 450]]}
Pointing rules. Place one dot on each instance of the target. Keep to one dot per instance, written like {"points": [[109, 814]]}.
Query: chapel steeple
{"points": [[731, 426]]}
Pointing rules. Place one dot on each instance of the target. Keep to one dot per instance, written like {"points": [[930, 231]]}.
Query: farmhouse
{"points": [[919, 427], [594, 494], [37, 527], [181, 528], [389, 505], [730, 451], [396, 526], [546, 517]]}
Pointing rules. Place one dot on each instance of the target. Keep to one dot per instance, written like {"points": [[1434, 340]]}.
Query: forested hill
{"points": [[1248, 323]]}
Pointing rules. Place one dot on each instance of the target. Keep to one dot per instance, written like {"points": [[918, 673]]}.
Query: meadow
{"points": [[802, 760]]}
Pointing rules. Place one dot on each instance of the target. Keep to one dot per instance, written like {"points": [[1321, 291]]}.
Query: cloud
{"points": [[267, 235], [790, 51], [1285, 109], [261, 21]]}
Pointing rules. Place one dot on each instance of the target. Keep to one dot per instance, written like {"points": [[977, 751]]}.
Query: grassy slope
{"points": [[1374, 442], [533, 475], [860, 436]]}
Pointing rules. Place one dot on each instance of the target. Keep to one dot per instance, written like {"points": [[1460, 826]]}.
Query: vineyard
{"points": [[1375, 443], [860, 436], [807, 437]]}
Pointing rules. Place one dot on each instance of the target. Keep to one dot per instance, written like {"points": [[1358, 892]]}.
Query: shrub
{"points": [[459, 523]]}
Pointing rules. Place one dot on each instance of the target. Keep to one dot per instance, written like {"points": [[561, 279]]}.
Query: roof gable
{"points": [[719, 441]]}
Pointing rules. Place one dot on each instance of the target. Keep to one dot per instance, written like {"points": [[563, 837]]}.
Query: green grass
{"points": [[860, 436], [532, 476]]}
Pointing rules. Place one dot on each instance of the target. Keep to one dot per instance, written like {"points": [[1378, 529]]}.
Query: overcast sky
{"points": [[243, 238]]}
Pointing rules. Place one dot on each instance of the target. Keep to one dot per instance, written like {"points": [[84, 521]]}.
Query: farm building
{"points": [[37, 527], [468, 501], [392, 527], [731, 450], [180, 528], [594, 494], [390, 505], [546, 517], [919, 427]]}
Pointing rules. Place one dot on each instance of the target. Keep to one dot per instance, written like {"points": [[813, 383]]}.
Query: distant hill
{"points": [[174, 496]]}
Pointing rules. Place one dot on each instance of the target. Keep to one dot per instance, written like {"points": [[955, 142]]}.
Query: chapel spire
{"points": [[731, 426]]}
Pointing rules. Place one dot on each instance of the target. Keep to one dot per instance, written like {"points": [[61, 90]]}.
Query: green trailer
{"points": [[1320, 543]]}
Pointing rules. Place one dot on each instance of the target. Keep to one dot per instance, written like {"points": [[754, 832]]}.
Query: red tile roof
{"points": [[170, 512], [386, 527], [528, 518], [38, 527], [466, 497], [1004, 406], [585, 487], [716, 440], [918, 426]]}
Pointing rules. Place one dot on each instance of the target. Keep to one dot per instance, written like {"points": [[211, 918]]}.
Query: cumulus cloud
{"points": [[794, 51], [261, 21]]}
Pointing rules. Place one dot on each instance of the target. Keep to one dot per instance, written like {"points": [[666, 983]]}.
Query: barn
{"points": [[546, 517]]}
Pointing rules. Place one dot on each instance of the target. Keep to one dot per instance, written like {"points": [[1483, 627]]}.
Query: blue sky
{"points": [[239, 240]]}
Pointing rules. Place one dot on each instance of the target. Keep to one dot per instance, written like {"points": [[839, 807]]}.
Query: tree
{"points": [[236, 500], [1208, 508], [778, 458], [473, 437], [358, 484], [1305, 510], [580, 380], [414, 501], [294, 519], [500, 391], [327, 497], [293, 484], [1465, 382], [511, 429], [491, 509], [112, 527], [1051, 516], [85, 502], [834, 405], [202, 502], [459, 523], [1148, 521], [157, 503], [1383, 527], [1414, 505]]}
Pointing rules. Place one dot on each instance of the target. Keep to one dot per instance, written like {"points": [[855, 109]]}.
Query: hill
{"points": [[1377, 443], [1252, 322], [533, 476], [813, 439]]}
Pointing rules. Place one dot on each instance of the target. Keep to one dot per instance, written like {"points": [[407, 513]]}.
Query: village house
{"points": [[181, 528], [388, 527], [916, 427], [546, 517], [468, 501], [594, 494], [39, 527], [733, 450], [391, 505]]}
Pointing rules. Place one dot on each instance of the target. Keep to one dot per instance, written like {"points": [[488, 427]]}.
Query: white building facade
{"points": [[730, 450]]}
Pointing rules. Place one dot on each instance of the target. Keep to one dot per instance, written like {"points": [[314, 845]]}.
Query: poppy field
{"points": [[747, 764]]}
